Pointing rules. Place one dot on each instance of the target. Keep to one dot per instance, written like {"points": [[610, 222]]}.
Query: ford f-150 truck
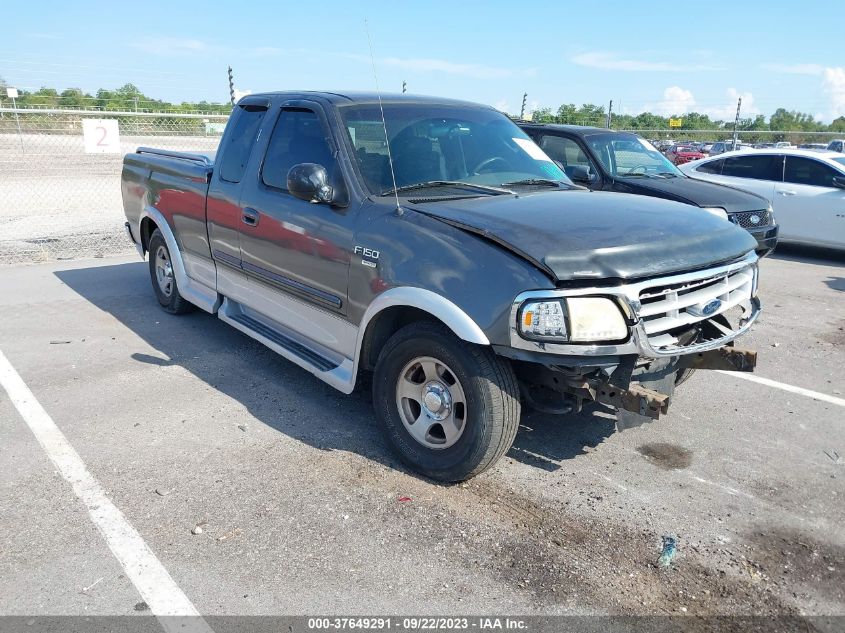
{"points": [[432, 246]]}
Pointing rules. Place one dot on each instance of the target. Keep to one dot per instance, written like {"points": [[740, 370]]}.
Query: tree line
{"points": [[781, 120], [128, 98]]}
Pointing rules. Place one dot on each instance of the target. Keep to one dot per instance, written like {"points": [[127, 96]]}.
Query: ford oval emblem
{"points": [[754, 219], [711, 307]]}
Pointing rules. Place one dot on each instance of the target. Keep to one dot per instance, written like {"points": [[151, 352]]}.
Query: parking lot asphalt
{"points": [[185, 422]]}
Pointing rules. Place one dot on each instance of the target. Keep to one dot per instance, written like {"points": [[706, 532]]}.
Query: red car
{"points": [[680, 154]]}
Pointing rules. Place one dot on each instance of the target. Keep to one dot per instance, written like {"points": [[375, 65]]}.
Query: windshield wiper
{"points": [[667, 174], [546, 182], [445, 183]]}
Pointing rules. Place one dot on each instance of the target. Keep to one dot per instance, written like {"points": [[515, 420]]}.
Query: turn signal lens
{"points": [[543, 319]]}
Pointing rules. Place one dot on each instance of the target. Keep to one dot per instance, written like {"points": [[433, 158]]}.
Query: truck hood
{"points": [[698, 192], [584, 235]]}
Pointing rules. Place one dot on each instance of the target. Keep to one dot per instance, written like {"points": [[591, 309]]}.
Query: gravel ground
{"points": [[56, 202], [304, 510]]}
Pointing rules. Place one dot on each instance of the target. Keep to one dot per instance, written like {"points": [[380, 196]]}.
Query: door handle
{"points": [[249, 217], [787, 192]]}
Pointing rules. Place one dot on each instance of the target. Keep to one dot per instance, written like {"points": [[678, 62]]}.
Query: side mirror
{"points": [[309, 181], [580, 173], [839, 181]]}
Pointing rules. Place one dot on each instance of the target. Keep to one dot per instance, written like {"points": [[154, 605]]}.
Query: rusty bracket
{"points": [[725, 358], [635, 398]]}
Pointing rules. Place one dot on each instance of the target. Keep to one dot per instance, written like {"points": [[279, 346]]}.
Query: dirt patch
{"points": [[802, 563], [834, 334], [666, 456], [566, 562]]}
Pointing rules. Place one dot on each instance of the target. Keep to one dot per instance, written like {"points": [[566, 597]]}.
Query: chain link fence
{"points": [[747, 137], [58, 201]]}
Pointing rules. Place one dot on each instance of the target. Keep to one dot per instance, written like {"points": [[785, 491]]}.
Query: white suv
{"points": [[806, 189]]}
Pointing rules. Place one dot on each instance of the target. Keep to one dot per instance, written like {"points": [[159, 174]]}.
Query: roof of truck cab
{"points": [[346, 97]]}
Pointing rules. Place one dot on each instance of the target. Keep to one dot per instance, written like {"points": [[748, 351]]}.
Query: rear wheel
{"points": [[162, 277], [448, 409]]}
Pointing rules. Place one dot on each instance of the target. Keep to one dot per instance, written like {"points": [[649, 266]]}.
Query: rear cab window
{"points": [[240, 141]]}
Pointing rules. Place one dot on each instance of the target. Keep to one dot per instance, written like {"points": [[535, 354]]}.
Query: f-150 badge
{"points": [[367, 253]]}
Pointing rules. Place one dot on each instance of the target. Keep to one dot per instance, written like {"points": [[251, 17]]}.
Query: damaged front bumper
{"points": [[671, 333]]}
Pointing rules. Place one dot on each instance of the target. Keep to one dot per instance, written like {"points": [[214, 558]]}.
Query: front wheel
{"points": [[448, 409]]}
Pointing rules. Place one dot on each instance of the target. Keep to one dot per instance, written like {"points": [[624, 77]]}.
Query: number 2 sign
{"points": [[101, 136]]}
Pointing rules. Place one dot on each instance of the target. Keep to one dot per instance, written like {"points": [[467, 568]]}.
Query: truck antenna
{"points": [[383, 122]]}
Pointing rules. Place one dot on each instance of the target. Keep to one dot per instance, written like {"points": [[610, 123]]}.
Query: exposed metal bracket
{"points": [[725, 358], [621, 376], [635, 398]]}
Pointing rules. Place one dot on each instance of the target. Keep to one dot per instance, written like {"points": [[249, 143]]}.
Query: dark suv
{"points": [[604, 160]]}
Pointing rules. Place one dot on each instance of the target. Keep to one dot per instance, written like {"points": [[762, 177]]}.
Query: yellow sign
{"points": [[675, 122]]}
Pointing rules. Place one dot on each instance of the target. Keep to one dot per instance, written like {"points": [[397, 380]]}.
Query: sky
{"points": [[664, 57]]}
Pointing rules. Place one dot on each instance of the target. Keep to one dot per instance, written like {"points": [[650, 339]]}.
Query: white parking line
{"points": [[141, 566], [815, 395]]}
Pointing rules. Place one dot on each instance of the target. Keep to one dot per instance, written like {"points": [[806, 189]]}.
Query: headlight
{"points": [[719, 212], [576, 319]]}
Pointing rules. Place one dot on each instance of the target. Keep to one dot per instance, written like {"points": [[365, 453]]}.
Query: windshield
{"points": [[434, 143], [628, 155], [841, 161]]}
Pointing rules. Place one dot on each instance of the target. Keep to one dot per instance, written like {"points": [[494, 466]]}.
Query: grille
{"points": [[745, 218], [669, 310]]}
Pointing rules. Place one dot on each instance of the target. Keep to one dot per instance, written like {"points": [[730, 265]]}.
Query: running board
{"points": [[337, 373], [264, 331]]}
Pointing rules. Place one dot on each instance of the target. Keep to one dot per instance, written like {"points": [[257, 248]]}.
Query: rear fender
{"points": [[192, 290]]}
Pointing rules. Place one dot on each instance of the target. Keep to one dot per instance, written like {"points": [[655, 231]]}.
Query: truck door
{"points": [[223, 213], [291, 245]]}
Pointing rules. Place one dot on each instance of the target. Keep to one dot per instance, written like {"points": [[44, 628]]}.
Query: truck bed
{"points": [[176, 184]]}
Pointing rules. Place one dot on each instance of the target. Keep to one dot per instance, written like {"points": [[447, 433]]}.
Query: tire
{"points": [[475, 390], [163, 280]]}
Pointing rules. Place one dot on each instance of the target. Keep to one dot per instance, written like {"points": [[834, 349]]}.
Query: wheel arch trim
{"points": [[463, 326], [197, 293]]}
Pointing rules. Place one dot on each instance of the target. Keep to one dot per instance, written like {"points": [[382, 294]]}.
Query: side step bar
{"points": [[320, 362], [335, 371]]}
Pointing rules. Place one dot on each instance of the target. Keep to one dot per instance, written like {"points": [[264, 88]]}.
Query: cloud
{"points": [[171, 46], [611, 61], [44, 36], [677, 100], [795, 69], [833, 85], [265, 51], [423, 64], [502, 106]]}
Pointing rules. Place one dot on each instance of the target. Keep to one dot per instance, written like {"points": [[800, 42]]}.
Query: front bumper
{"points": [[640, 342], [767, 239]]}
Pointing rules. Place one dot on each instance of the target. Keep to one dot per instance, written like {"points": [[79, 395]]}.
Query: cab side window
{"points": [[567, 152], [239, 142], [806, 171], [298, 137]]}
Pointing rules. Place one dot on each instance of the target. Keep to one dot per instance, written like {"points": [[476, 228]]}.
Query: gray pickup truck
{"points": [[429, 244]]}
